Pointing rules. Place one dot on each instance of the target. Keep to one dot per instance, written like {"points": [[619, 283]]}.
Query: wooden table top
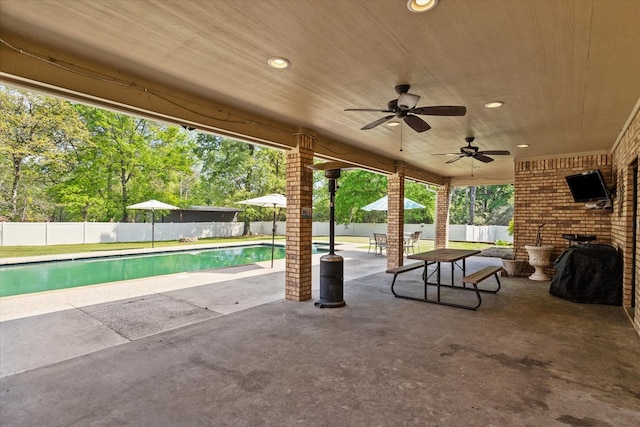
{"points": [[444, 255]]}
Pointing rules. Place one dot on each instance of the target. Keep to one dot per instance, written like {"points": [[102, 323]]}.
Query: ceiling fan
{"points": [[405, 108], [471, 151]]}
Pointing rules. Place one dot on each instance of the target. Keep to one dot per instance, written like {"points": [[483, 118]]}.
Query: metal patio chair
{"points": [[381, 243]]}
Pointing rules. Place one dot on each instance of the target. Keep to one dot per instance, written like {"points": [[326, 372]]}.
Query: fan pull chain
{"points": [[400, 136]]}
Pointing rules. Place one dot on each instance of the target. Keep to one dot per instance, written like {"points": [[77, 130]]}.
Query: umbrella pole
{"points": [[273, 233], [153, 218]]}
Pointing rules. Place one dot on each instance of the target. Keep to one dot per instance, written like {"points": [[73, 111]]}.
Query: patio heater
{"points": [[331, 265]]}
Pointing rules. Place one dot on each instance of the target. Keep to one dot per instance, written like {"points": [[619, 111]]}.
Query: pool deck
{"points": [[222, 347], [18, 306]]}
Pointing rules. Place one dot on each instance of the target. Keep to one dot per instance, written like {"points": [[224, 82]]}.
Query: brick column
{"points": [[395, 218], [443, 198], [299, 226]]}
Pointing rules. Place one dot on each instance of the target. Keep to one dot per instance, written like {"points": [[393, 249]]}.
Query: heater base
{"points": [[331, 282]]}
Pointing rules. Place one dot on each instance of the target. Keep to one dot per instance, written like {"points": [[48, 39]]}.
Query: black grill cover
{"points": [[588, 273]]}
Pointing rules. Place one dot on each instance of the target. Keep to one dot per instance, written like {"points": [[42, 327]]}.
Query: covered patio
{"points": [[222, 353], [566, 74], [563, 76]]}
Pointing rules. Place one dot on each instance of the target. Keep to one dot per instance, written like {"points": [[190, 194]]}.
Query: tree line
{"points": [[63, 161]]}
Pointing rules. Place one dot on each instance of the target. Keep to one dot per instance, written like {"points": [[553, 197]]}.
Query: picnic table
{"points": [[452, 256]]}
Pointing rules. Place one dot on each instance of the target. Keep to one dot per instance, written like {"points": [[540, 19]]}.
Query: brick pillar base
{"points": [[442, 216], [299, 227], [395, 219]]}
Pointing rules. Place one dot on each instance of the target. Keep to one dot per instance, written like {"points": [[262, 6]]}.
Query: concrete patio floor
{"points": [[223, 348]]}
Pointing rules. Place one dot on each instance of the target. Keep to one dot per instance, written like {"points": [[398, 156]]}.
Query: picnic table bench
{"points": [[482, 274], [403, 269], [472, 279]]}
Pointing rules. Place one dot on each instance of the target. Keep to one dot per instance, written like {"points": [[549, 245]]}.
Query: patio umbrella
{"points": [[152, 205], [383, 205], [275, 200]]}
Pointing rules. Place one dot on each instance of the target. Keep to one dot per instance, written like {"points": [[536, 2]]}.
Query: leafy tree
{"points": [[74, 162], [423, 195], [38, 135], [358, 188], [130, 160], [496, 203], [459, 205], [232, 171], [482, 205], [321, 197]]}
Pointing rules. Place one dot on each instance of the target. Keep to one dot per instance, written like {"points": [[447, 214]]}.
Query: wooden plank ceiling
{"points": [[567, 72]]}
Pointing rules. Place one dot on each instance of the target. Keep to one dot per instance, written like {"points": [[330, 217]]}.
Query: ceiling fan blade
{"points": [[482, 158], [446, 154], [378, 122], [368, 109], [455, 159], [495, 152], [416, 123], [442, 110]]}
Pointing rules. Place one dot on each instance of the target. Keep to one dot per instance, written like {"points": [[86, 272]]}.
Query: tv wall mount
{"points": [[601, 204]]}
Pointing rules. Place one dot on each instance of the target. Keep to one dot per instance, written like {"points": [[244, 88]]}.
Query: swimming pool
{"points": [[46, 276]]}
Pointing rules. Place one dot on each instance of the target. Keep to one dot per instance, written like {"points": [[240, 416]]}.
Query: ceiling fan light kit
{"points": [[407, 101]]}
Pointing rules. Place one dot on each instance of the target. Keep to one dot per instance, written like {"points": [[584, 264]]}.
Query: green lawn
{"points": [[425, 245], [25, 251]]}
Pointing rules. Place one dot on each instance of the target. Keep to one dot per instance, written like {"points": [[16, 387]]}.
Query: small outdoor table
{"points": [[439, 256]]}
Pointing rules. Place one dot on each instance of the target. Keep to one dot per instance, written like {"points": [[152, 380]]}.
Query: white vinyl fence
{"points": [[60, 233], [463, 233]]}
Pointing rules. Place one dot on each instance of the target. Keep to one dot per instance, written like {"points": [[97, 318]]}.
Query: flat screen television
{"points": [[588, 187]]}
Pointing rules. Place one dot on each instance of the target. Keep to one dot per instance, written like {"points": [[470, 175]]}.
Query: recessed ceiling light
{"points": [[278, 62], [392, 124], [494, 104], [419, 6], [522, 145]]}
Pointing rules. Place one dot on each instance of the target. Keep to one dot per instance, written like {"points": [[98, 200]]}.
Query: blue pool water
{"points": [[45, 276]]}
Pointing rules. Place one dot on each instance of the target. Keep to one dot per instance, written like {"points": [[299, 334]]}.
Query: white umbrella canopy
{"points": [[270, 200], [382, 204], [152, 205]]}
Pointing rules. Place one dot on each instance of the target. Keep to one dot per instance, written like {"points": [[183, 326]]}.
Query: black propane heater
{"points": [[331, 265]]}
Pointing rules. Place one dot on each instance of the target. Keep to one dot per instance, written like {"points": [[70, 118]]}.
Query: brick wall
{"points": [[625, 157], [443, 200], [543, 197], [395, 219], [299, 229]]}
